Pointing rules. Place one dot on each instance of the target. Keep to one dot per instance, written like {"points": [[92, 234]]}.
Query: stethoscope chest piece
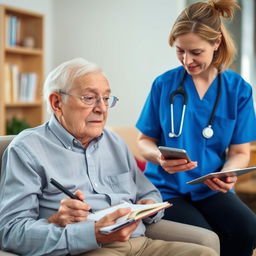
{"points": [[207, 132]]}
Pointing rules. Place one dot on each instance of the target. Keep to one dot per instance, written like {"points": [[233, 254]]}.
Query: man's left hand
{"points": [[145, 201]]}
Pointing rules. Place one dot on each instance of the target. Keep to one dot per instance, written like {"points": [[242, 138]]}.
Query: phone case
{"points": [[174, 153]]}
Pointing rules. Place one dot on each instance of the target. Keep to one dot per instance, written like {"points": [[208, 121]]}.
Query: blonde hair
{"points": [[204, 19]]}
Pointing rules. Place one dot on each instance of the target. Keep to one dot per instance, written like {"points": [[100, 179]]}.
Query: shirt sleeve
{"points": [[21, 229], [246, 120]]}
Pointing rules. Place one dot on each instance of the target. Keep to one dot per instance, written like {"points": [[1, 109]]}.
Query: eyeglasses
{"points": [[92, 101]]}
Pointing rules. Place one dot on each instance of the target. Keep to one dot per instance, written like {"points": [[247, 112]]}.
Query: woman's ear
{"points": [[217, 42]]}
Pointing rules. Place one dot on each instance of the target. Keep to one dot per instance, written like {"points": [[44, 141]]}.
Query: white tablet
{"points": [[223, 174]]}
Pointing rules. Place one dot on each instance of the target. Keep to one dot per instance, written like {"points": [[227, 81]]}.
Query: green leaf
{"points": [[15, 126]]}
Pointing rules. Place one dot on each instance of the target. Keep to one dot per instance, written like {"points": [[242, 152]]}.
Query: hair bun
{"points": [[212, 4], [225, 8]]}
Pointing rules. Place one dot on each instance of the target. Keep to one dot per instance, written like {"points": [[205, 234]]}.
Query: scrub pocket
{"points": [[223, 130]]}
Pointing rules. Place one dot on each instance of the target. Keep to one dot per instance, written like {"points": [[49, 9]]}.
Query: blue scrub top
{"points": [[234, 123]]}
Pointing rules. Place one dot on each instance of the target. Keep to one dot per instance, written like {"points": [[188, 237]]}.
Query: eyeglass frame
{"points": [[97, 99]]}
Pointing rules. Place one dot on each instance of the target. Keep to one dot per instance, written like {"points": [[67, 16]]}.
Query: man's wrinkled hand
{"points": [[146, 201], [71, 211], [121, 235]]}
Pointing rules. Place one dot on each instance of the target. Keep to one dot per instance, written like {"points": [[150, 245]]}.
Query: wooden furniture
{"points": [[27, 55], [249, 177], [246, 184], [4, 142]]}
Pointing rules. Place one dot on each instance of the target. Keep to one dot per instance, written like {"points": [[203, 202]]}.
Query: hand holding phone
{"points": [[174, 153]]}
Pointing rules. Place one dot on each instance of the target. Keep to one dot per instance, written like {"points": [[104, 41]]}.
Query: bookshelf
{"points": [[21, 62]]}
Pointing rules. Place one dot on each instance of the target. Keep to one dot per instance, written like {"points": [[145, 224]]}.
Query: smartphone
{"points": [[174, 153]]}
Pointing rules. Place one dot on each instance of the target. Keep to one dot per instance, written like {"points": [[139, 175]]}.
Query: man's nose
{"points": [[100, 104]]}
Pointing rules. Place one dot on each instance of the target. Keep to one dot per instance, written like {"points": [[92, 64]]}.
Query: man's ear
{"points": [[55, 101]]}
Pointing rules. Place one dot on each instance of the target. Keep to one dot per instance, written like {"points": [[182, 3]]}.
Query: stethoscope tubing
{"points": [[207, 132], [212, 116], [172, 133]]}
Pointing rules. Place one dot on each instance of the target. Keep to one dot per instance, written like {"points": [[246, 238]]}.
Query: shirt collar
{"points": [[67, 139]]}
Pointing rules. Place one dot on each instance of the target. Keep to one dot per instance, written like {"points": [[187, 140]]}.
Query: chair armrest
{"points": [[2, 253], [174, 231]]}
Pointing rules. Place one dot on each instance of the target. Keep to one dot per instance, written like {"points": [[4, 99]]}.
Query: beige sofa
{"points": [[165, 230]]}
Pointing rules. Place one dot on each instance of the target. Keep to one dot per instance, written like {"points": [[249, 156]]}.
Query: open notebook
{"points": [[139, 211]]}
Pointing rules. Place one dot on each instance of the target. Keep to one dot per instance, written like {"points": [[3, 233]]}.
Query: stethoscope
{"points": [[207, 132]]}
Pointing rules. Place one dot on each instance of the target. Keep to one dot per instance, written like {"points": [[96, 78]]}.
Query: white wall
{"points": [[127, 38], [248, 38]]}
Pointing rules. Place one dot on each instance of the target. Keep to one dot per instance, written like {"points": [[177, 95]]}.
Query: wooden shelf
{"points": [[23, 50], [23, 104], [17, 100]]}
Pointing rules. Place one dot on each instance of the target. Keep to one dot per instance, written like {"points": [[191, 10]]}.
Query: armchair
{"points": [[165, 230], [4, 142]]}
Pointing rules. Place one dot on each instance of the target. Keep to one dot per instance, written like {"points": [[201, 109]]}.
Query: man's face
{"points": [[82, 121]]}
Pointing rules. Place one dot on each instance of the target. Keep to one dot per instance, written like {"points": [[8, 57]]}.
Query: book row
{"points": [[19, 86]]}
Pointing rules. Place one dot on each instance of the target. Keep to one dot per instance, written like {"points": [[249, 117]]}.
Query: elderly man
{"points": [[91, 162]]}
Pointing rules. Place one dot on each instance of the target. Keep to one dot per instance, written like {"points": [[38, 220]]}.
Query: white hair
{"points": [[62, 77]]}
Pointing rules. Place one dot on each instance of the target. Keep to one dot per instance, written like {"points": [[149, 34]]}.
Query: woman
{"points": [[219, 123]]}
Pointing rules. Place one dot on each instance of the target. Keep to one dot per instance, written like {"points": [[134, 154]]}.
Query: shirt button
{"points": [[96, 184], [69, 148]]}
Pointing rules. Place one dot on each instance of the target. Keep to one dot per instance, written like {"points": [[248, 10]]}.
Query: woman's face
{"points": [[195, 53]]}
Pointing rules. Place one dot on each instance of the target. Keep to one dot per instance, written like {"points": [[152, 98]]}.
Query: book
{"points": [[23, 81], [7, 83], [31, 86], [222, 175], [27, 86], [13, 30], [15, 82], [7, 30], [18, 32], [138, 211]]}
